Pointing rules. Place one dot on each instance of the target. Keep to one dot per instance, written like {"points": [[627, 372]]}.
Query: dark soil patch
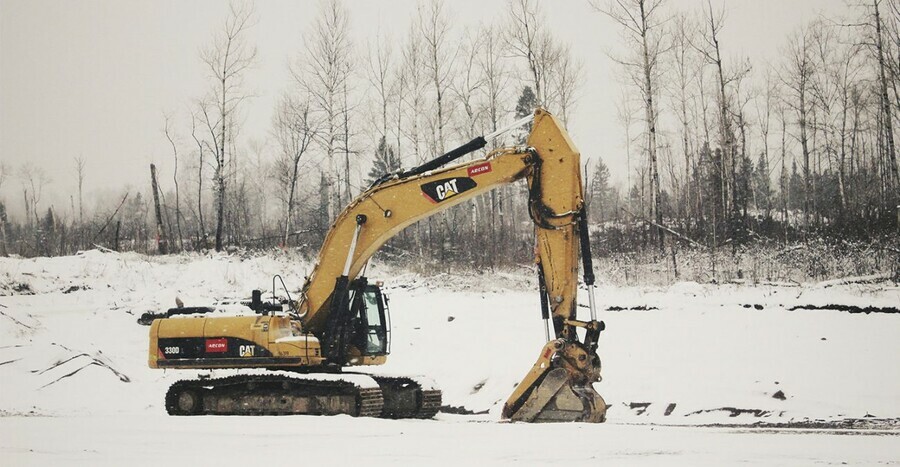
{"points": [[631, 308], [16, 288], [734, 412], [848, 308], [639, 407], [76, 288], [460, 410], [669, 409], [848, 425]]}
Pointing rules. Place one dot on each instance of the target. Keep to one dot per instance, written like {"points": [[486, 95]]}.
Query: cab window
{"points": [[376, 336]]}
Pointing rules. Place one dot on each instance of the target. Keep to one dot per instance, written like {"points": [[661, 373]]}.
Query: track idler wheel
{"points": [[181, 400]]}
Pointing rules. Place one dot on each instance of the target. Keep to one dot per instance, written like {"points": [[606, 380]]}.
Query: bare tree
{"points": [[347, 109], [162, 240], [379, 69], [227, 59], [643, 26], [881, 53], [742, 168], [169, 136], [32, 178], [295, 131], [322, 71], [469, 81], [685, 71], [201, 147], [412, 94], [837, 67], [434, 30], [80, 166], [625, 116], [797, 74], [4, 173], [567, 77], [892, 28], [764, 106], [4, 248], [528, 39], [711, 48], [491, 65]]}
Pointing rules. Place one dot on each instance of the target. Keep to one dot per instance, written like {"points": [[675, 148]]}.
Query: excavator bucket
{"points": [[559, 387]]}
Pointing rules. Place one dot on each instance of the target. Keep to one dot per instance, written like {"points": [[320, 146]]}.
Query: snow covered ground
{"points": [[690, 371]]}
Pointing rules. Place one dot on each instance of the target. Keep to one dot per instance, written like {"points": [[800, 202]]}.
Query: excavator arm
{"points": [[558, 387], [384, 210]]}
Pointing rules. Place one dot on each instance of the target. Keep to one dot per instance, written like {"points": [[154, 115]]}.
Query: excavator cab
{"points": [[370, 335], [356, 332]]}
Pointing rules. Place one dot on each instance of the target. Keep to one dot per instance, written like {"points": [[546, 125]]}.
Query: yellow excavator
{"points": [[297, 353]]}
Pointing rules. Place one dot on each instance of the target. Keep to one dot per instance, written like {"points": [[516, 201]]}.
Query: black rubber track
{"points": [[368, 400]]}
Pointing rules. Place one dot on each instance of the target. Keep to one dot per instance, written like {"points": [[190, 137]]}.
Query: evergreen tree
{"points": [[46, 233], [796, 188], [710, 175], [745, 197], [524, 107], [4, 251], [744, 185], [598, 192], [386, 161], [763, 186], [665, 204]]}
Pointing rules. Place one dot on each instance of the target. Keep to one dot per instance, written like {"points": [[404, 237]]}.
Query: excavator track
{"points": [[273, 395], [358, 395], [406, 397]]}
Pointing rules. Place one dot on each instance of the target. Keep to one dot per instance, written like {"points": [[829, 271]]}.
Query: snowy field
{"points": [[695, 374]]}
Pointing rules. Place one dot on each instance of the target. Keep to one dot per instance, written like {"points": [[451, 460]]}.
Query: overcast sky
{"points": [[94, 78]]}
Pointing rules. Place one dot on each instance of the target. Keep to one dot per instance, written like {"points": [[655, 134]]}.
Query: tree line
{"points": [[726, 151], [719, 151]]}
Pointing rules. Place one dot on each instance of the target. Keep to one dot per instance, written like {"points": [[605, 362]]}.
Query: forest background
{"points": [[723, 168]]}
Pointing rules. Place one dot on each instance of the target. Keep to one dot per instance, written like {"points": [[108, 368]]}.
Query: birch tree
{"points": [[322, 71], [566, 81], [797, 72], [642, 22], [295, 130], [227, 60], [710, 46], [169, 136], [440, 57], [528, 39]]}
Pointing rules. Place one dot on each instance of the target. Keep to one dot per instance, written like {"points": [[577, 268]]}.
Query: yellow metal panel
{"points": [[561, 192], [243, 327], [180, 327], [154, 344]]}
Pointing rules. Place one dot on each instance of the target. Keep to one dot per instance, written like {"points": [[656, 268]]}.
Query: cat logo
{"points": [[446, 188], [247, 350]]}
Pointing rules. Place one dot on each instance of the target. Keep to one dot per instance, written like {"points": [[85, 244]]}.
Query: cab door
{"points": [[371, 334]]}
